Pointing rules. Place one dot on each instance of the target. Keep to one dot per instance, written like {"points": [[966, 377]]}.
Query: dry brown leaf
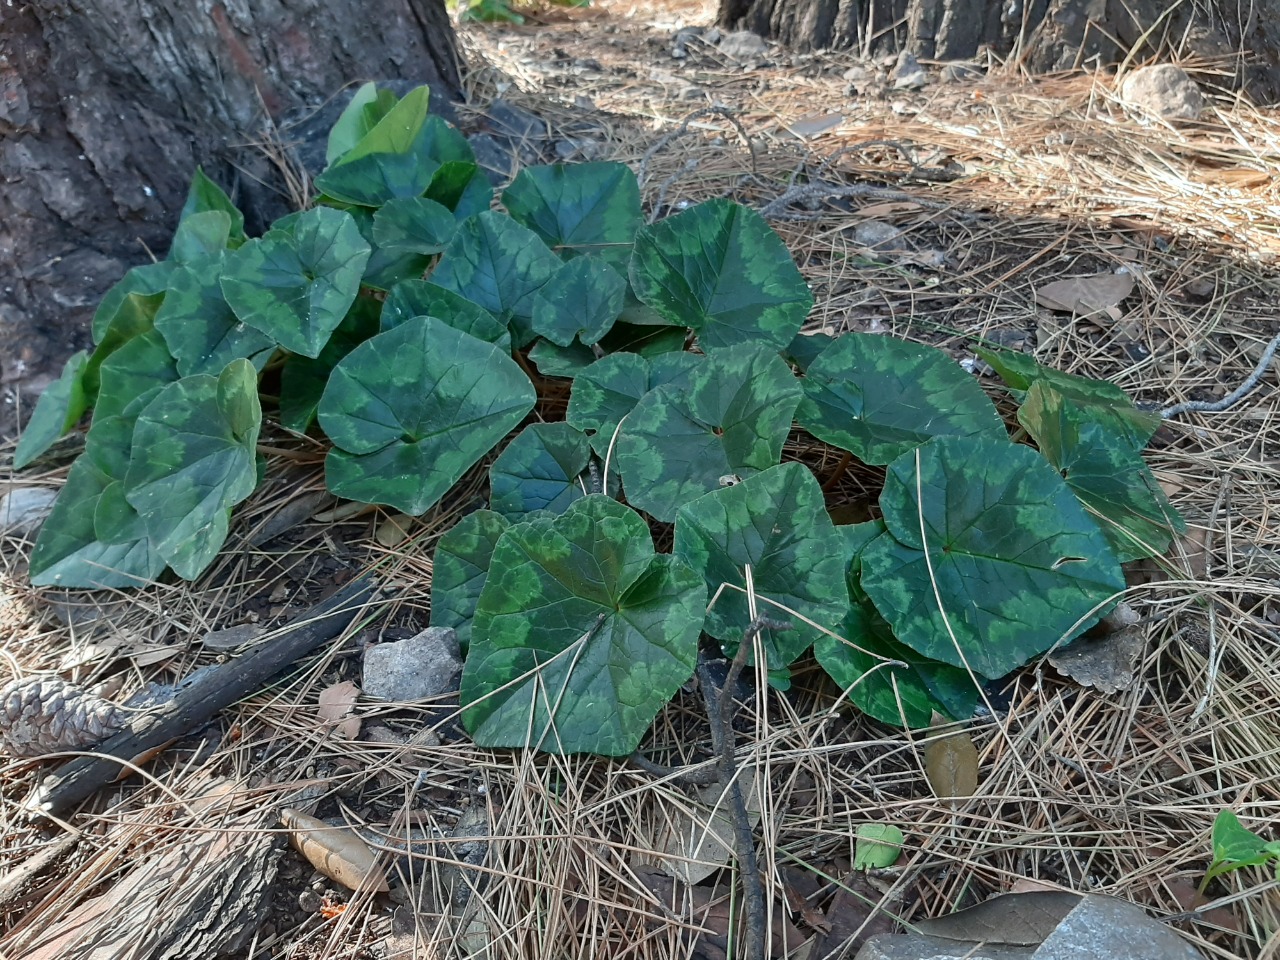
{"points": [[394, 530], [856, 914], [1192, 546], [887, 209], [697, 839], [337, 852], [951, 763], [336, 703], [1017, 919], [1107, 661], [814, 124], [1097, 293]]}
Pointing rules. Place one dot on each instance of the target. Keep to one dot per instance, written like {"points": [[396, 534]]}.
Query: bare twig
{"points": [[721, 717], [1232, 398], [642, 171]]}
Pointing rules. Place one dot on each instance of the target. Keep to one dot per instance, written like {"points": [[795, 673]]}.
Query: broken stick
{"points": [[196, 701]]}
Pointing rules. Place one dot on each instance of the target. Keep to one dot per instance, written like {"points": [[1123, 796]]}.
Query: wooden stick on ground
{"points": [[207, 692]]}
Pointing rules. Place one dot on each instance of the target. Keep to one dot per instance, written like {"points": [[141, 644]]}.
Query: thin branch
{"points": [[1232, 398], [776, 209]]}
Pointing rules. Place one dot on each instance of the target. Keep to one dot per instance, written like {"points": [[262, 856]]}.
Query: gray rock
{"points": [[877, 234], [427, 665], [907, 73], [743, 45], [858, 73], [1163, 90], [916, 946], [515, 122], [498, 161], [23, 510]]}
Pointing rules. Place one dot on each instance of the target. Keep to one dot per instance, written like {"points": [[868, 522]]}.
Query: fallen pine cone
{"points": [[42, 715]]}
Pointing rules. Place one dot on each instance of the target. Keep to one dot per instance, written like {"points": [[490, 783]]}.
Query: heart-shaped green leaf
{"points": [[195, 458], [135, 317], [581, 635], [1110, 479], [200, 329], [412, 409], [719, 268], [879, 397], [541, 469], [1233, 842], [461, 186], [68, 553], [495, 262], [1102, 401], [413, 225], [204, 195], [59, 408], [296, 286], [394, 160], [729, 419], [856, 659], [610, 388], [138, 369], [459, 569], [385, 268], [302, 380], [579, 208], [581, 300], [201, 236], [148, 280], [420, 298], [367, 107], [776, 522], [1009, 563]]}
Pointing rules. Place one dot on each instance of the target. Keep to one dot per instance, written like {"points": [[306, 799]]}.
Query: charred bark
{"points": [[1043, 35], [106, 108]]}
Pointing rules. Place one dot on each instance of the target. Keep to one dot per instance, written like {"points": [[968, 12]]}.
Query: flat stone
{"points": [[743, 45], [421, 667], [1163, 90], [23, 510], [1107, 927], [515, 122], [917, 946]]}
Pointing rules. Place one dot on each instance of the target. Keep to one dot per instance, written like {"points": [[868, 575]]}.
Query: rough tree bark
{"points": [[1043, 35], [106, 108]]}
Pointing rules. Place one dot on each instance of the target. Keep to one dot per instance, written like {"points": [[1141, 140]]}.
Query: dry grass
{"points": [[1113, 794]]}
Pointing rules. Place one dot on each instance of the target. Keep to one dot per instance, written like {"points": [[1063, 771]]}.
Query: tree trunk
{"points": [[1043, 35], [107, 107]]}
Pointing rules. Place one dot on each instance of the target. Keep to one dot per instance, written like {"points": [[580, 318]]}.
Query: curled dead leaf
{"points": [[1088, 295], [337, 852]]}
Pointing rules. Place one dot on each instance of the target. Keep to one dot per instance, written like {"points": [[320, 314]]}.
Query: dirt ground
{"points": [[959, 202]]}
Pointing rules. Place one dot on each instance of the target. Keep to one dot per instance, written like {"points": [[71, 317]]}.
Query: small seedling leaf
{"points": [[57, 411], [876, 846]]}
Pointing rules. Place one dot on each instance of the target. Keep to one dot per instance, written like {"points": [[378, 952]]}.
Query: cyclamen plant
{"points": [[387, 317]]}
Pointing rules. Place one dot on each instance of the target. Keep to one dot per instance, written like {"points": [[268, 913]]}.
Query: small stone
{"points": [[310, 901], [743, 45], [496, 160], [427, 665], [516, 122], [24, 509], [857, 73], [1163, 90], [876, 234], [908, 74]]}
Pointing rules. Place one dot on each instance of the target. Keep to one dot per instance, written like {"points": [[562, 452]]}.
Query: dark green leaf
{"points": [[413, 225], [1102, 401], [1103, 470], [302, 380], [420, 298], [368, 106], [201, 236], [68, 553], [199, 327], [135, 317], [648, 341], [806, 348], [461, 186], [386, 268], [777, 523], [539, 470], [138, 369], [1009, 564], [396, 159], [114, 519], [719, 268], [1235, 843], [148, 280], [607, 390], [59, 408], [495, 262], [879, 397], [205, 195], [582, 299], [412, 409], [552, 360], [195, 446], [579, 208], [730, 418], [581, 635], [296, 288], [459, 569], [856, 660]]}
